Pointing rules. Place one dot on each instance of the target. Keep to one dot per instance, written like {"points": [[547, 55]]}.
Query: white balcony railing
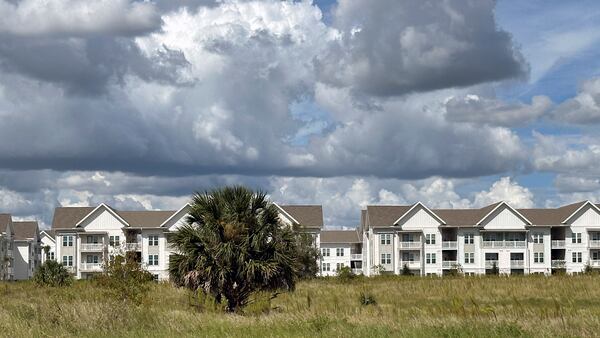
{"points": [[410, 264], [558, 263], [449, 244], [557, 244], [356, 257], [595, 262], [449, 264], [357, 271], [70, 269], [594, 243], [92, 247], [133, 246], [504, 244], [91, 267], [490, 264], [517, 263], [410, 245]]}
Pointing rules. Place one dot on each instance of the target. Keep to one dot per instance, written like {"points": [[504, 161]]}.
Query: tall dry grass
{"points": [[421, 307]]}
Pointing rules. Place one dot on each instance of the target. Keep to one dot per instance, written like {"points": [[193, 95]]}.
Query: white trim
{"points": [[511, 208], [109, 210], [578, 209], [47, 235], [286, 214], [187, 205], [426, 209]]}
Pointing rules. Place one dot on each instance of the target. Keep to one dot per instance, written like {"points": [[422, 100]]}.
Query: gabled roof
{"points": [[107, 208], [309, 216], [70, 217], [50, 233], [25, 230], [385, 215], [419, 204], [581, 206], [185, 206], [498, 205], [5, 222], [340, 236]]}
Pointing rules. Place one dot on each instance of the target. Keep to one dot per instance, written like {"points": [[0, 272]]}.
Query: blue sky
{"points": [[455, 104]]}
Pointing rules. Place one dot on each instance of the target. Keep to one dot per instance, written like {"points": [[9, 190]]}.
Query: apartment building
{"points": [[494, 239], [47, 245], [340, 248], [85, 237], [6, 247], [26, 249]]}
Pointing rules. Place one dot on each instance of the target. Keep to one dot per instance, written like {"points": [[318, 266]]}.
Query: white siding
{"points": [[503, 218], [587, 217], [102, 220], [418, 219]]}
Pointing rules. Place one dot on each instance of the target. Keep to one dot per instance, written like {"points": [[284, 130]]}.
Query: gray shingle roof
{"points": [[25, 230], [5, 220], [68, 217], [310, 216], [340, 236]]}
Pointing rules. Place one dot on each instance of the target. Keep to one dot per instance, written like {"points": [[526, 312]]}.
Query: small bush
{"points": [[125, 279], [406, 271], [345, 274], [53, 274], [366, 298]]}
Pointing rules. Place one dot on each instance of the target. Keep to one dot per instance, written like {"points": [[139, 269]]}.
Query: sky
{"points": [[138, 104]]}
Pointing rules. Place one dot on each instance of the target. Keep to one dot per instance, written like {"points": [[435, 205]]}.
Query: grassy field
{"points": [[421, 307]]}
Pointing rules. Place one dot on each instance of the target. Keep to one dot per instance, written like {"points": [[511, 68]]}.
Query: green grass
{"points": [[416, 307]]}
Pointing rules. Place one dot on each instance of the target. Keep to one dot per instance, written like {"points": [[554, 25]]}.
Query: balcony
{"points": [[517, 263], [357, 271], [558, 244], [9, 254], [410, 245], [91, 267], [594, 244], [558, 263], [92, 247], [133, 246], [451, 245], [70, 269], [504, 244], [410, 264], [356, 257], [490, 264], [595, 263], [449, 264]]}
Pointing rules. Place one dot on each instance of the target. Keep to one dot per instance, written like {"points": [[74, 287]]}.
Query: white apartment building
{"points": [[340, 248], [26, 249], [479, 241], [47, 245], [6, 247], [86, 237]]}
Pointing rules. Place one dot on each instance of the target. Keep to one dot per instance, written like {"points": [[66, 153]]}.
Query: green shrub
{"points": [[124, 278], [345, 274], [406, 271], [53, 274]]}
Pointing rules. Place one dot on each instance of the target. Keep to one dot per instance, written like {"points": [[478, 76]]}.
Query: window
{"points": [[430, 258], [339, 266], [469, 238], [325, 252], [92, 239], [92, 259], [429, 238], [153, 240], [577, 257], [538, 257], [67, 240], [408, 257], [51, 256], [407, 238], [469, 258], [576, 237], [386, 258], [114, 240], [386, 239], [67, 260], [538, 238], [595, 255], [152, 259], [326, 267], [339, 252], [155, 277]]}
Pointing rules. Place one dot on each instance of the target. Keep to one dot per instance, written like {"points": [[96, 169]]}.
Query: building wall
{"points": [[21, 260]]}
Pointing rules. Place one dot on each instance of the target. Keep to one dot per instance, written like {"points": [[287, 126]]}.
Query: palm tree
{"points": [[232, 246]]}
